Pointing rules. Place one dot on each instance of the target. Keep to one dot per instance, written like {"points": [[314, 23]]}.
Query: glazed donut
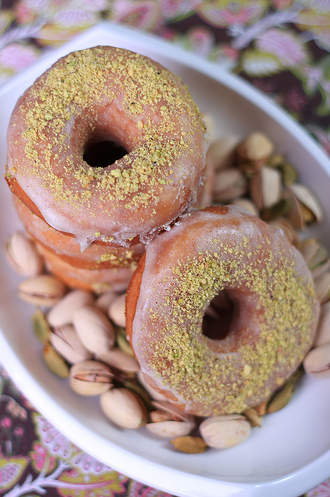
{"points": [[67, 248], [97, 281], [106, 94], [210, 254]]}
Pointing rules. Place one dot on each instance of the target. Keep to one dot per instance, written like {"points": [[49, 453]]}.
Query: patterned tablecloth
{"points": [[281, 46]]}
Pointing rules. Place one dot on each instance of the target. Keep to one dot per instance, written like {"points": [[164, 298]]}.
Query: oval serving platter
{"points": [[291, 452]]}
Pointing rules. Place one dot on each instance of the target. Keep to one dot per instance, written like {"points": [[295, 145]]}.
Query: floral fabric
{"points": [[280, 46]]}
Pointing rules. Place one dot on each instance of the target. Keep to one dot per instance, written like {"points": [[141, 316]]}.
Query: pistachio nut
{"points": [[246, 204], [317, 361], [281, 398], [122, 341], [105, 299], [322, 336], [119, 359], [22, 255], [189, 444], [221, 153], [253, 152], [116, 311], [41, 326], [322, 286], [65, 340], [228, 185], [265, 188], [94, 329], [170, 429], [320, 269], [209, 122], [253, 417], [55, 362], [90, 378], [62, 312], [158, 415], [123, 407], [44, 290], [224, 431]]}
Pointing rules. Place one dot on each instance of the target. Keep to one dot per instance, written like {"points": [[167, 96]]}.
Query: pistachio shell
{"points": [[317, 362], [170, 429], [222, 432], [322, 286], [281, 398], [308, 248], [44, 290], [62, 312], [22, 255], [189, 445], [253, 417], [55, 362], [289, 174], [229, 184], [265, 187], [286, 227], [308, 199], [321, 269], [94, 329], [41, 327], [67, 343], [123, 407], [90, 378], [222, 152], [209, 122], [322, 336], [119, 359], [158, 415], [246, 204], [116, 311], [254, 151], [175, 413], [103, 301]]}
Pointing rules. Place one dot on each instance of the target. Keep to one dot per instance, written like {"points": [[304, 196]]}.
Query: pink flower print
{"points": [[200, 40], [322, 490], [141, 14], [88, 464], [224, 13], [18, 431], [55, 443], [40, 457], [173, 9], [27, 11], [17, 56], [5, 423], [285, 45]]}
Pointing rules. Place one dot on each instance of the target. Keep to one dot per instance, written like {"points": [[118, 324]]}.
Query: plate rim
{"points": [[260, 100]]}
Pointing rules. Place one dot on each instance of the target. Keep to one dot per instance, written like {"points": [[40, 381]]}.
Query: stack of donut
{"points": [[221, 308], [92, 222]]}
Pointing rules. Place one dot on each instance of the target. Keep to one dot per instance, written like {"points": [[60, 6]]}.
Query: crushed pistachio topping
{"points": [[85, 93], [228, 375]]}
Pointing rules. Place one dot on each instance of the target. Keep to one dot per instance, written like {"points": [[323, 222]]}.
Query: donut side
{"points": [[221, 250]]}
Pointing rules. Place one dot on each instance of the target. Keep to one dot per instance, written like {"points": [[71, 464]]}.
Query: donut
{"points": [[98, 280], [106, 95], [68, 249], [220, 311]]}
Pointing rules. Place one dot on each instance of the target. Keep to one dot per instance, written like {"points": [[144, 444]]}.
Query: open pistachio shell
{"points": [[44, 290], [22, 255], [224, 431], [317, 362], [94, 329], [62, 312], [170, 429], [90, 378], [123, 407]]}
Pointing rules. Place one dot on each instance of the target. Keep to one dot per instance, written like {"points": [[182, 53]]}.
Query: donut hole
{"points": [[103, 153], [219, 316]]}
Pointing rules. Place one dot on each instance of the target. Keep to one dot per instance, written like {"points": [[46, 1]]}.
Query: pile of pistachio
{"points": [[84, 336]]}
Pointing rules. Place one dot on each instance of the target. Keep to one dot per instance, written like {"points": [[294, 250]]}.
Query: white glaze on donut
{"points": [[222, 249], [106, 93]]}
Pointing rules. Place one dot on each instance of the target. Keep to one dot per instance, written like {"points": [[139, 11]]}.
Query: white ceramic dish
{"points": [[291, 452]]}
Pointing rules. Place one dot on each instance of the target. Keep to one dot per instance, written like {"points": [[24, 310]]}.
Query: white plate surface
{"points": [[291, 452]]}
